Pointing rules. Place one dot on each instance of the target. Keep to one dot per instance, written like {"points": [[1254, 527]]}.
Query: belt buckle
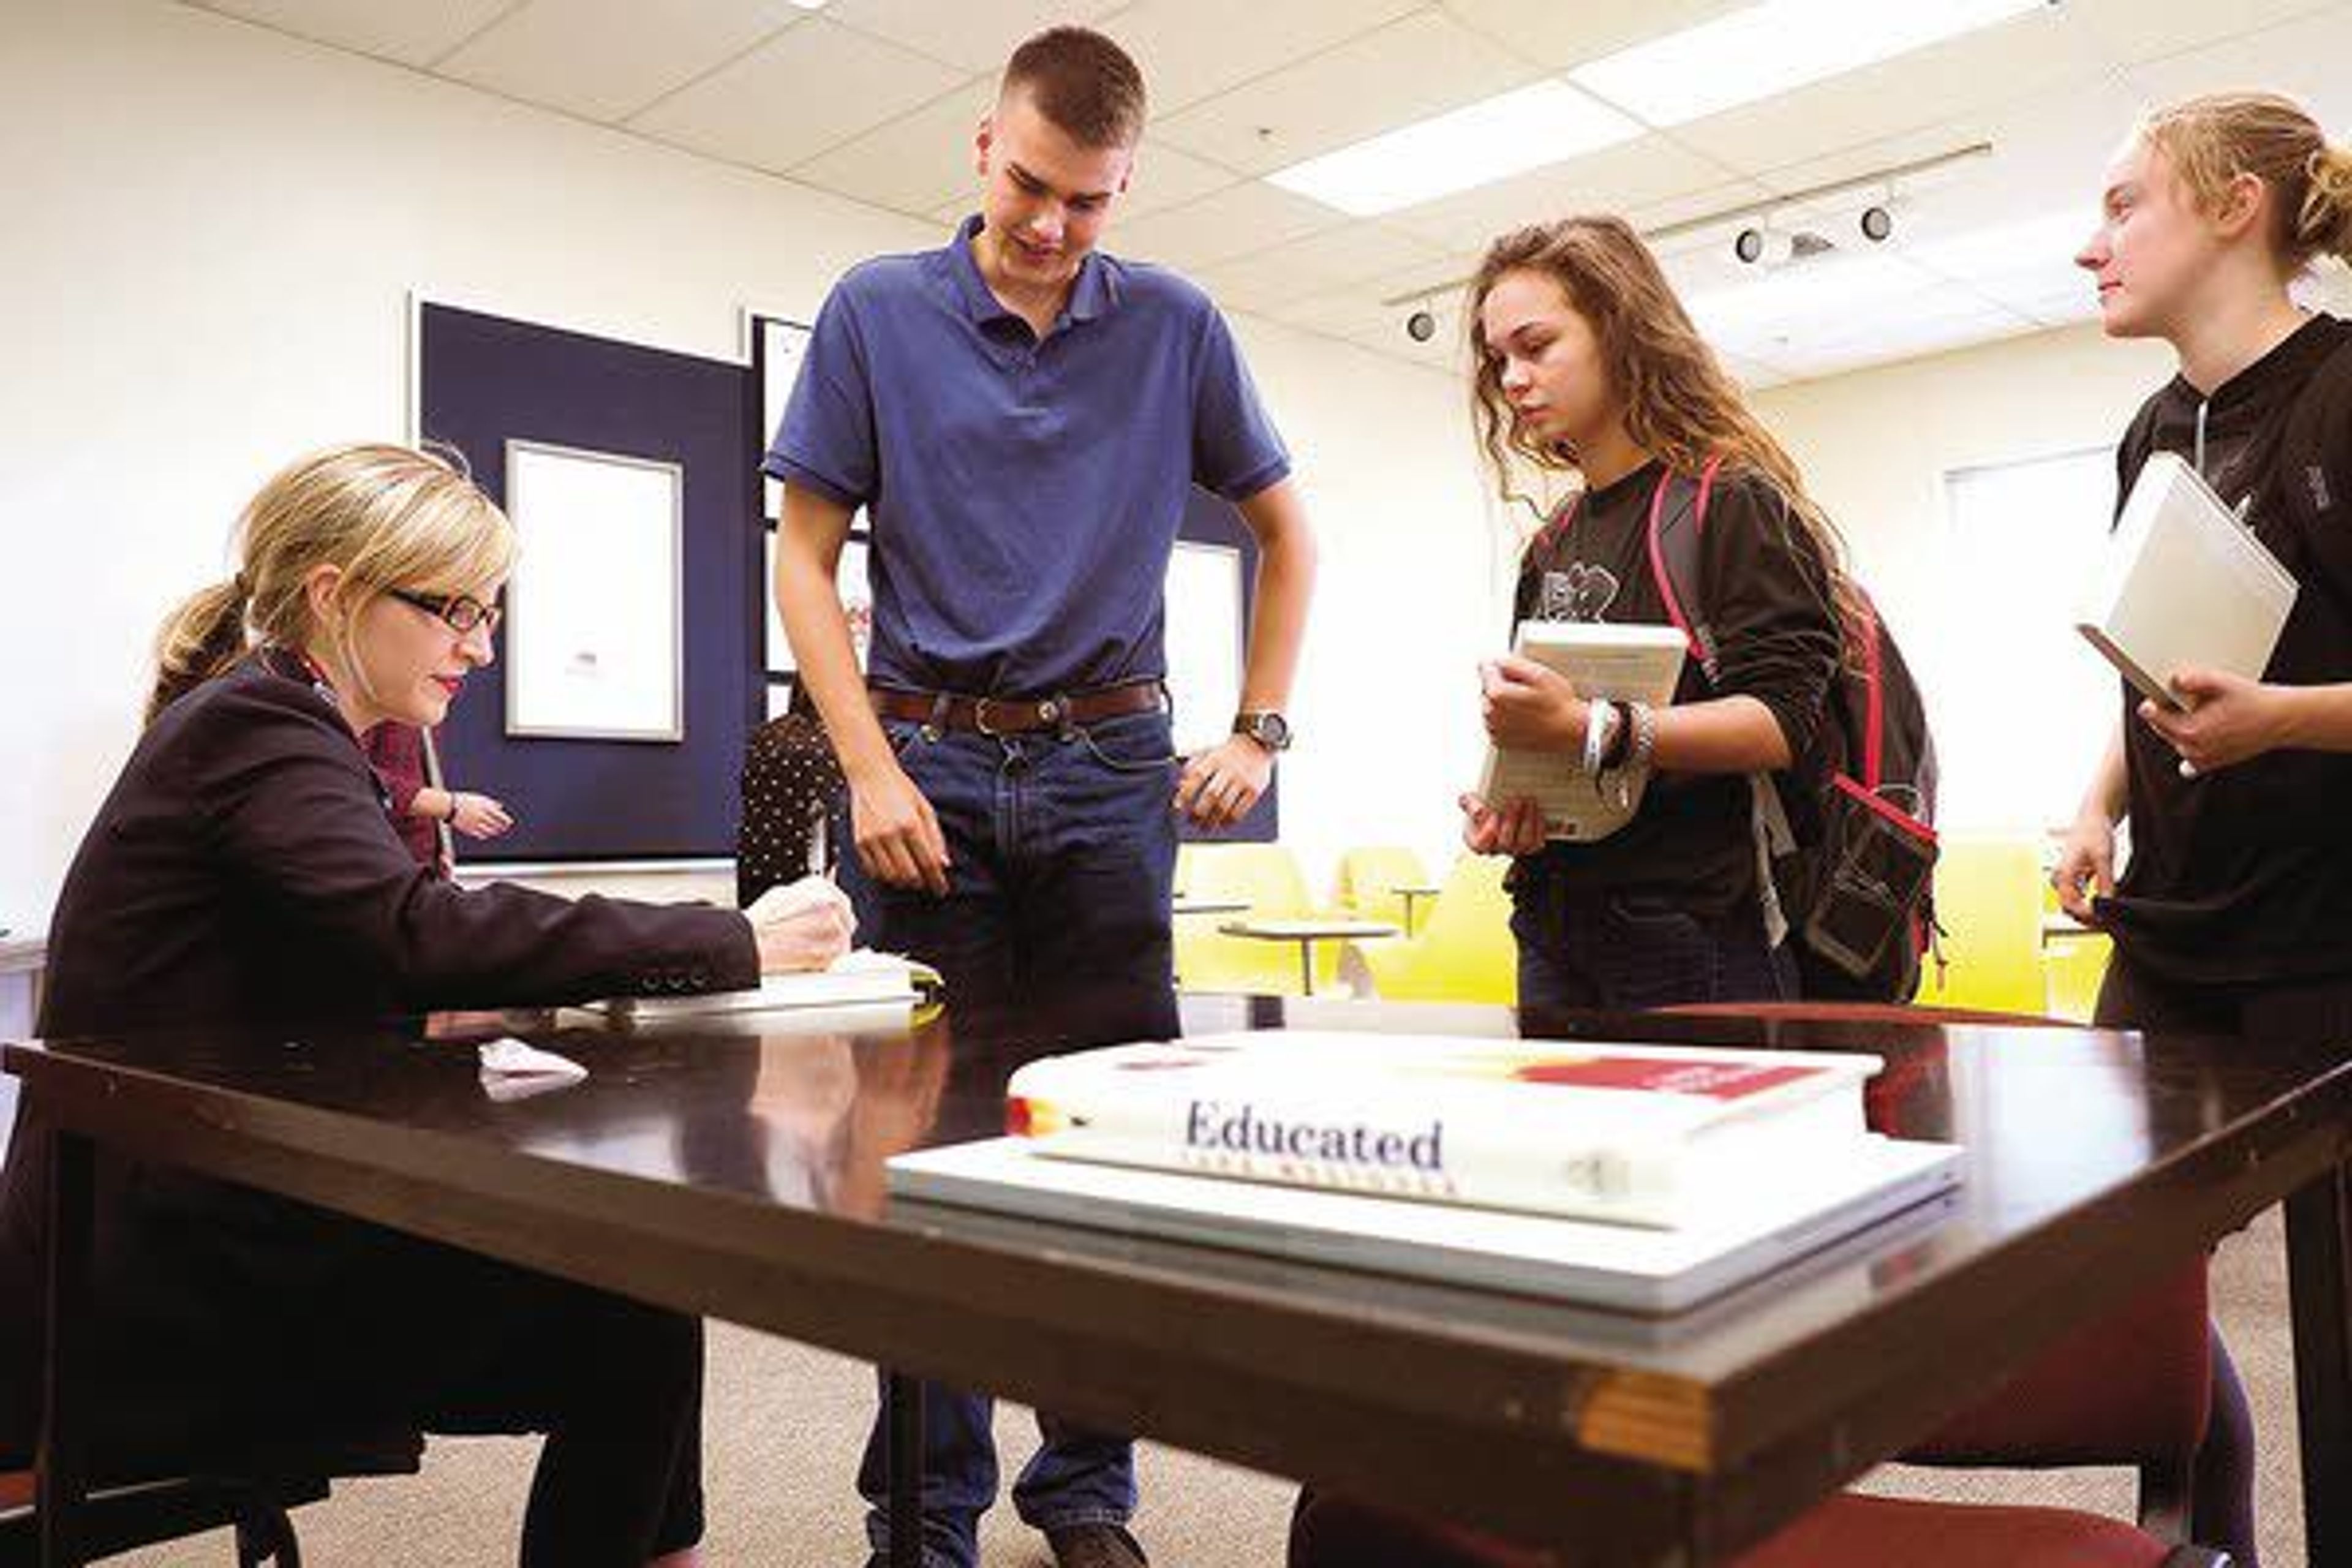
{"points": [[980, 716]]}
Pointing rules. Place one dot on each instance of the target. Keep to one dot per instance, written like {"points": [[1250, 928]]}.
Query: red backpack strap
{"points": [[1659, 569], [1862, 634]]}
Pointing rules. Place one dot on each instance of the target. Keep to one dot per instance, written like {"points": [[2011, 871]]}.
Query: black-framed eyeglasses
{"points": [[461, 611]]}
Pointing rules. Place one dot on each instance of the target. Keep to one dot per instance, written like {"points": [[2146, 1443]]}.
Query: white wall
{"points": [[213, 231], [1414, 589], [1875, 446]]}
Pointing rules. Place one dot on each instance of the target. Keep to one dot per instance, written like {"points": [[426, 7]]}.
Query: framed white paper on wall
{"points": [[781, 345], [1204, 640], [595, 624], [856, 592]]}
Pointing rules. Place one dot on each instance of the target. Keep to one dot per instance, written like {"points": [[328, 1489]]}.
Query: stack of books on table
{"points": [[858, 979], [1648, 1177]]}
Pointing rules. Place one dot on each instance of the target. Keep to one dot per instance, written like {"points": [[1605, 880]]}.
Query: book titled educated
{"points": [[1649, 1135]]}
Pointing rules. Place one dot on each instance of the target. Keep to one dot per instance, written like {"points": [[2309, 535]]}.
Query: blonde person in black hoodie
{"points": [[2235, 914]]}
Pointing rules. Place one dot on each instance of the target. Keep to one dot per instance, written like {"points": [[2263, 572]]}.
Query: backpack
{"points": [[1848, 829]]}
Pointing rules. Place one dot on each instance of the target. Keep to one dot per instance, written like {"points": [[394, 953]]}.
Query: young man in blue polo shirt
{"points": [[1023, 419]]}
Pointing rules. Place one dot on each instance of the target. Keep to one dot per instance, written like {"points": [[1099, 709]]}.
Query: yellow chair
{"points": [[1369, 879], [2073, 964], [1464, 951], [1988, 903], [1264, 877]]}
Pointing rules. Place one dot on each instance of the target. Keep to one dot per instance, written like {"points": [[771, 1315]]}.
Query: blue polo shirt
{"points": [[1025, 495]]}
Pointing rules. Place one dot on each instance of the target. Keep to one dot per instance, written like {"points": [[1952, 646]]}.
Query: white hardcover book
{"points": [[2185, 585], [1624, 663], [860, 978], [1781, 1219], [1646, 1135]]}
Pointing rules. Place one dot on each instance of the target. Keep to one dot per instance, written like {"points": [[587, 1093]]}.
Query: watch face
{"points": [[1272, 728]]}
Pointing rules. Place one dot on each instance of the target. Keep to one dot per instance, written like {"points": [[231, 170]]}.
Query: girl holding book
{"points": [[2234, 912], [1587, 367], [2234, 915]]}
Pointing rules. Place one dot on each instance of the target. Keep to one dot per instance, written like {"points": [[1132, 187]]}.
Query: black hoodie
{"points": [[2243, 877]]}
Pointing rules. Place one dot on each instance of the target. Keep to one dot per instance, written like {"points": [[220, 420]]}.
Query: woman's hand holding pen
{"points": [[1529, 707], [802, 925]]}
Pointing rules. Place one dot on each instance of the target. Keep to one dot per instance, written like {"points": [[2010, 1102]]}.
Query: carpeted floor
{"points": [[785, 1426]]}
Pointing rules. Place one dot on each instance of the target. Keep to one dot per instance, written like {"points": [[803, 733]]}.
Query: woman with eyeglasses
{"points": [[244, 873]]}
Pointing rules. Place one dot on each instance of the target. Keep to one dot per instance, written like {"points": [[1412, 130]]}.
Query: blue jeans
{"points": [[1062, 851], [1623, 949]]}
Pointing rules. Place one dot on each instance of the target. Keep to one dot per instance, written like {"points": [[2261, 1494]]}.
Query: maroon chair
{"points": [[252, 1492], [1848, 1532], [2132, 1388]]}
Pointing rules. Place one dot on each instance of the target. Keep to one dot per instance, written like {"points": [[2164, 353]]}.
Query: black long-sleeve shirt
{"points": [[1764, 593], [243, 872], [2243, 876]]}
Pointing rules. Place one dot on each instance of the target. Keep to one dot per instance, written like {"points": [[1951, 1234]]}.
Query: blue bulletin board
{"points": [[484, 382]]}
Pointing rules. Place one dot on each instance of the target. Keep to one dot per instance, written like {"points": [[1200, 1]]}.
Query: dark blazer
{"points": [[245, 871]]}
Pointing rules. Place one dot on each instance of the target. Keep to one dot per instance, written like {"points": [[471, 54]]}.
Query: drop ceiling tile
{"points": [[1931, 334], [607, 59], [1189, 49], [1233, 222], [1165, 177], [811, 87], [2030, 54], [2304, 58], [2137, 30], [413, 33], [1560, 35], [1624, 179], [1323, 264], [1760, 315], [2048, 151], [918, 163], [975, 35], [1408, 71]]}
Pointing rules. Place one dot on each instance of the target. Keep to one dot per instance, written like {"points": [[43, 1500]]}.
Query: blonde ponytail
{"points": [[2325, 224], [202, 637], [2215, 139]]}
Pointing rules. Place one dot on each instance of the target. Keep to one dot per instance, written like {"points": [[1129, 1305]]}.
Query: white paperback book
{"points": [[1783, 1218], [1648, 1136], [860, 978], [2185, 585], [1625, 663]]}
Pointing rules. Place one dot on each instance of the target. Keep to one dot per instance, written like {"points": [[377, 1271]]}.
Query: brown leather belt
{"points": [[1017, 715]]}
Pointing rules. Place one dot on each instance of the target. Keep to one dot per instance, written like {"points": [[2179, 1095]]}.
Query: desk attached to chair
{"points": [[737, 1174]]}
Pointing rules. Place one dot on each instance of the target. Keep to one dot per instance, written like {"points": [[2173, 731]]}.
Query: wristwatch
{"points": [[1267, 727]]}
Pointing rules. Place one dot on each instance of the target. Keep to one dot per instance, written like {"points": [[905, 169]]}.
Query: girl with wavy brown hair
{"points": [[1588, 368]]}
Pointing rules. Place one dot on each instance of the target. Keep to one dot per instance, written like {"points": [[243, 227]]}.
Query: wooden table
{"points": [[1306, 932], [740, 1175]]}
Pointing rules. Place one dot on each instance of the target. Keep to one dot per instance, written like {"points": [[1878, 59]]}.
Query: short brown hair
{"points": [[1083, 83]]}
